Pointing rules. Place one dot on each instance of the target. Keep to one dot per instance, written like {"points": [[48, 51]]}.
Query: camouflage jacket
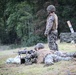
{"points": [[41, 55], [51, 24]]}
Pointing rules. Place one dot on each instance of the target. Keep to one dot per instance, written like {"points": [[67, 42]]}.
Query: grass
{"points": [[59, 68]]}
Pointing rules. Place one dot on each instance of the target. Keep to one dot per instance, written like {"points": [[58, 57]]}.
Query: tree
{"points": [[25, 20], [19, 21]]}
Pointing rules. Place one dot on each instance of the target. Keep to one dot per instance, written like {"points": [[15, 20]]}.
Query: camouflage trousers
{"points": [[58, 56], [52, 37], [51, 58]]}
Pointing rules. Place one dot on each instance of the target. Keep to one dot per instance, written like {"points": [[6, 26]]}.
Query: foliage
{"points": [[24, 21]]}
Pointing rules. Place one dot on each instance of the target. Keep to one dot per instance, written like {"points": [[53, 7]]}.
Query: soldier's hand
{"points": [[45, 33]]}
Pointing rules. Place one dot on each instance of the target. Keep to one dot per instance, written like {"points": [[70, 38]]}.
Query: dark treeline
{"points": [[24, 21]]}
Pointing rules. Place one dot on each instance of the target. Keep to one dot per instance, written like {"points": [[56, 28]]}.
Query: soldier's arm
{"points": [[49, 25]]}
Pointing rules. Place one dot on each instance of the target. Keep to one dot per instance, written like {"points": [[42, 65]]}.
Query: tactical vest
{"points": [[55, 23]]}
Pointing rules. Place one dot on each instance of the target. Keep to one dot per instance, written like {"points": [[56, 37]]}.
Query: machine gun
{"points": [[25, 52], [29, 58]]}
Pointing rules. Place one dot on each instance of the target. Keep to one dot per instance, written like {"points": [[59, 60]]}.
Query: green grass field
{"points": [[59, 68]]}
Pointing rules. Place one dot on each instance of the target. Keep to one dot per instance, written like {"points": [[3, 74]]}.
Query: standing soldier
{"points": [[51, 28]]}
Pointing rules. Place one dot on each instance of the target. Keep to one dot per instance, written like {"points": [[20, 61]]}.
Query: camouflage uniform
{"points": [[51, 30], [48, 57], [57, 56], [41, 52]]}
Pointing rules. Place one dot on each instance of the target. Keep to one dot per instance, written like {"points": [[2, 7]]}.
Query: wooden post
{"points": [[71, 29], [70, 26]]}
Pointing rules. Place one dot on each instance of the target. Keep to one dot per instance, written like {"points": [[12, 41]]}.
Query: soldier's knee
{"points": [[48, 60]]}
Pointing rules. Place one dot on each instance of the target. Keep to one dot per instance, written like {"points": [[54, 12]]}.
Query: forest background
{"points": [[23, 22]]}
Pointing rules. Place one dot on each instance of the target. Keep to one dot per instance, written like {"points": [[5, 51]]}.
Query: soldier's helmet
{"points": [[39, 46], [51, 8]]}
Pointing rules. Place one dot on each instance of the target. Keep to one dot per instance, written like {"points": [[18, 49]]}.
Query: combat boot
{"points": [[74, 55]]}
